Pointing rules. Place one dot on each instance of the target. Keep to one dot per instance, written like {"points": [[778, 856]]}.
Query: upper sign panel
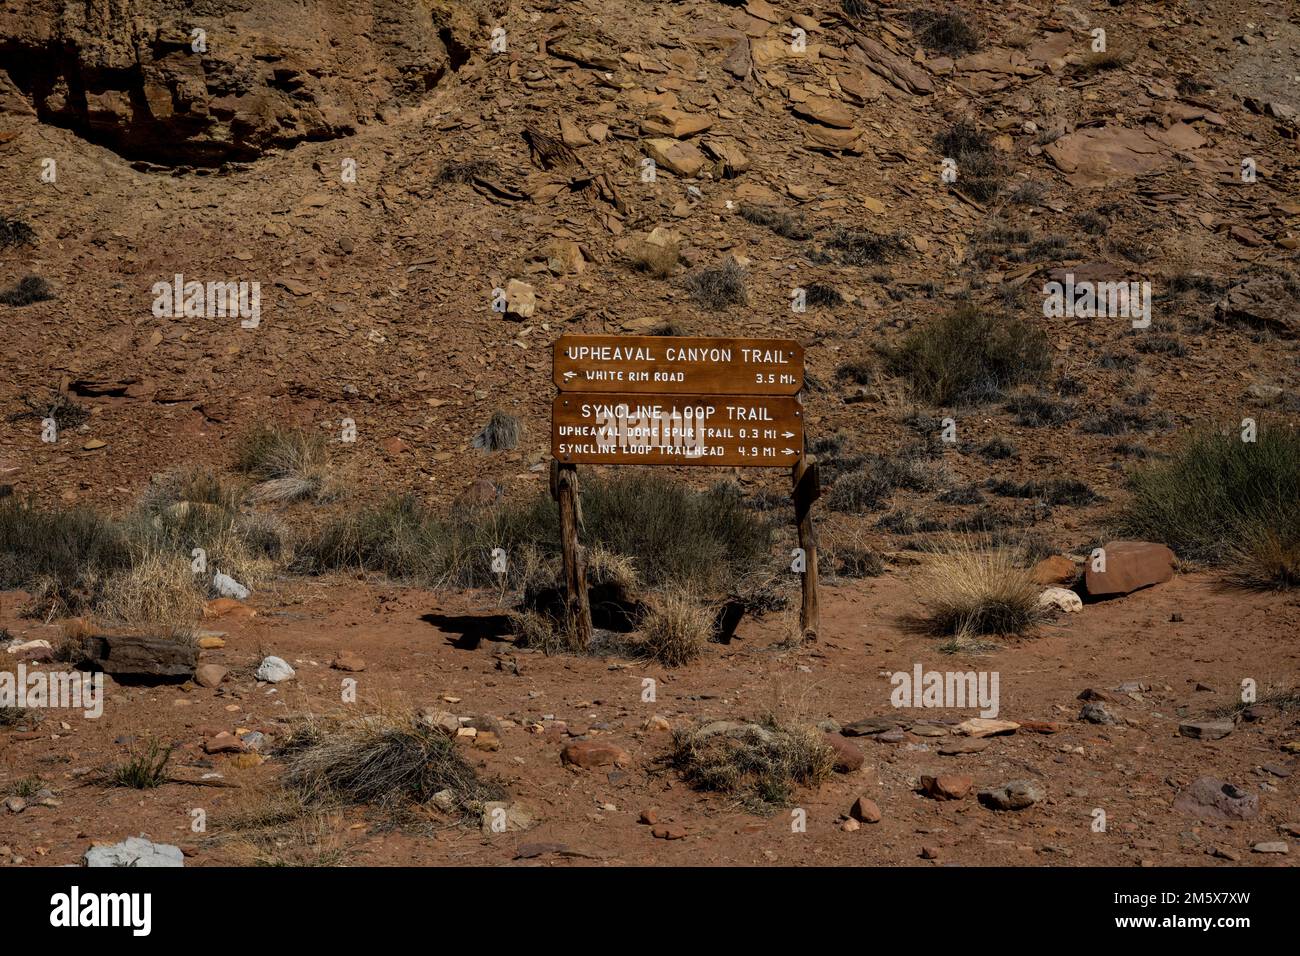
{"points": [[666, 364]]}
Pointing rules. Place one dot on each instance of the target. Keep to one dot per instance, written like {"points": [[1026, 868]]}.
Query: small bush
{"points": [[290, 464], [1036, 411], [466, 170], [860, 247], [144, 769], [717, 287], [1100, 62], [980, 170], [996, 449], [966, 590], [15, 232], [386, 761], [1057, 491], [857, 371], [944, 33], [27, 290], [676, 628], [501, 433], [868, 488], [969, 355], [823, 296], [65, 412], [761, 763], [783, 223], [1123, 421], [1219, 500]]}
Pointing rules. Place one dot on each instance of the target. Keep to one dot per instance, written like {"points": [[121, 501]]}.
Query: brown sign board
{"points": [[621, 428], [673, 365]]}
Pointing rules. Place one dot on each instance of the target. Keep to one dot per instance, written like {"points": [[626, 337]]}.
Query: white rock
{"points": [[1062, 599], [228, 587], [135, 851], [20, 647], [273, 670]]}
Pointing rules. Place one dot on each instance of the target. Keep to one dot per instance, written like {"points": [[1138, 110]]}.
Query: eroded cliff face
{"points": [[209, 81]]}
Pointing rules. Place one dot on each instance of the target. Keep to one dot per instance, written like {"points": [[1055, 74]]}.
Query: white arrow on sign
{"points": [[569, 375], [787, 451], [787, 434]]}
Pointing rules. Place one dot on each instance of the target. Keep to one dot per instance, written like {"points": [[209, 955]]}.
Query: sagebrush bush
{"points": [[1224, 501], [969, 355], [289, 464]]}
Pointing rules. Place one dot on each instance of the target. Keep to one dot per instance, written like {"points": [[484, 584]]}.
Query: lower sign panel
{"points": [[618, 429]]}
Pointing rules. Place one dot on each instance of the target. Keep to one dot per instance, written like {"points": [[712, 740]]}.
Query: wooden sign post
{"points": [[675, 400]]}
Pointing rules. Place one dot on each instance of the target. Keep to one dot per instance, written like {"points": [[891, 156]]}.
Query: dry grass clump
{"points": [[676, 627], [27, 290], [658, 259], [967, 589], [760, 763], [717, 287], [159, 589], [501, 433], [288, 464], [387, 760]]}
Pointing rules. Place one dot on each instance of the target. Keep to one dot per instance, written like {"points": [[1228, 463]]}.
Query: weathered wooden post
{"points": [[807, 489], [564, 489]]}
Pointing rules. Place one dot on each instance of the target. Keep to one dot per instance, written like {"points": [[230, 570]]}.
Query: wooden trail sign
{"points": [[677, 365], [717, 430], [675, 400]]}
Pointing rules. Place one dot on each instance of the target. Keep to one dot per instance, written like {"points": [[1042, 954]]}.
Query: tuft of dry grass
{"points": [[386, 760], [159, 590], [658, 259], [760, 763], [501, 433], [289, 464], [717, 287], [967, 589], [676, 627], [145, 766]]}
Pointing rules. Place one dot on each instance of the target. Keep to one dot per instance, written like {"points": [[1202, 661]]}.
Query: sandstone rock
{"points": [[521, 300], [481, 494], [1057, 569], [684, 159], [946, 786], [270, 76], [869, 726], [865, 810], [1130, 565], [32, 651], [439, 720], [223, 607], [591, 754], [848, 756], [986, 727], [669, 831], [1015, 795], [1272, 846], [209, 675], [1061, 600], [224, 743], [825, 110], [1206, 729], [500, 816], [348, 661], [649, 816], [1212, 799], [273, 670]]}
